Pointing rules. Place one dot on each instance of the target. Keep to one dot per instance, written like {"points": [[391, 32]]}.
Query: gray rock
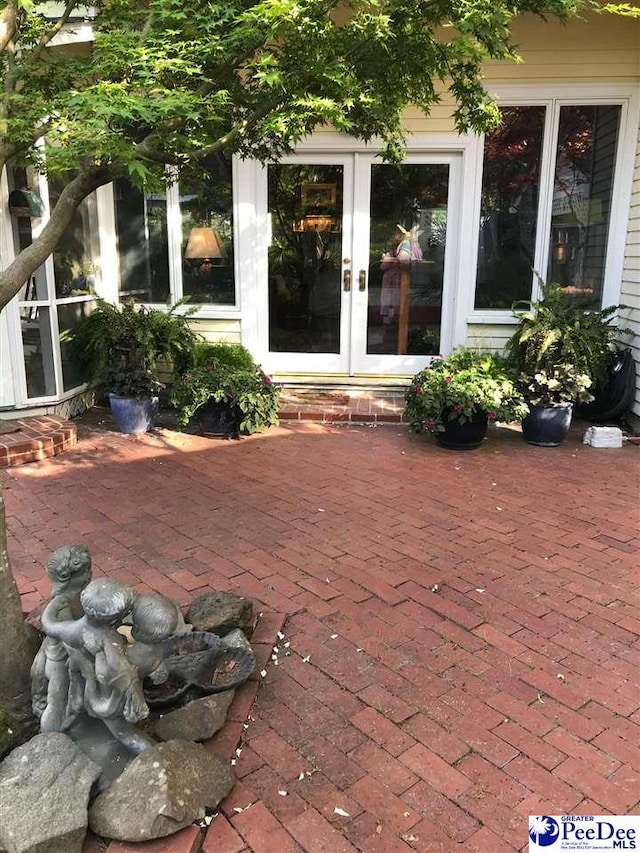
{"points": [[236, 640], [198, 720], [219, 612], [164, 789], [44, 792]]}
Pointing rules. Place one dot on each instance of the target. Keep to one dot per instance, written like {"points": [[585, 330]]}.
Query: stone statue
{"points": [[85, 666], [69, 569]]}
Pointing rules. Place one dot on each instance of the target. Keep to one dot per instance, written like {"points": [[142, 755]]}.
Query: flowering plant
{"points": [[556, 385], [226, 373], [458, 387]]}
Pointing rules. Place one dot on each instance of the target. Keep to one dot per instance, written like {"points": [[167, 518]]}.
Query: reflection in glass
{"points": [[206, 206], [69, 316], [305, 209], [406, 258], [509, 211], [141, 226], [581, 208], [37, 348], [77, 253], [509, 208]]}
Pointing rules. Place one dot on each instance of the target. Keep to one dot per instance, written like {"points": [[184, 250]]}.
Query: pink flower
{"points": [[268, 380], [419, 389], [210, 367], [188, 376], [430, 425], [448, 378], [492, 416], [457, 407]]}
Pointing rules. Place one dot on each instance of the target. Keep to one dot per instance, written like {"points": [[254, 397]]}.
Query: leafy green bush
{"points": [[557, 331], [121, 345], [457, 387], [226, 372]]}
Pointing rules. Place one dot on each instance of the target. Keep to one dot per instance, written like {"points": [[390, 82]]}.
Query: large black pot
{"points": [[464, 436], [547, 426], [219, 420], [613, 400]]}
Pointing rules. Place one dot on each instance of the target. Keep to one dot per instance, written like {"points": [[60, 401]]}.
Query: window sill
{"points": [[495, 318]]}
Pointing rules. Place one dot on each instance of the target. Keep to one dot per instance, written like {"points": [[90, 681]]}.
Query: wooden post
{"points": [[403, 315]]}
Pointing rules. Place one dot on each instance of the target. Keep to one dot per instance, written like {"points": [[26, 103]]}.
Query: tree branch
{"points": [[8, 24], [29, 259], [52, 32]]}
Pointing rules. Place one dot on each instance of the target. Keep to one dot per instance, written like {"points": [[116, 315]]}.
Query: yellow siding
{"points": [[488, 337], [630, 292], [218, 330], [599, 49]]}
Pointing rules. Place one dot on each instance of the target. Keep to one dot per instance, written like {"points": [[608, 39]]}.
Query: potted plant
{"points": [[123, 347], [455, 398], [226, 392], [551, 394], [559, 351]]}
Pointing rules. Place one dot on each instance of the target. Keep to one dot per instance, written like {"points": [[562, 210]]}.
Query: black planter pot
{"points": [[547, 426], [219, 420], [466, 436], [616, 397], [132, 415]]}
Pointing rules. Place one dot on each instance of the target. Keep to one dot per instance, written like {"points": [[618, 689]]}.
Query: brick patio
{"points": [[463, 627]]}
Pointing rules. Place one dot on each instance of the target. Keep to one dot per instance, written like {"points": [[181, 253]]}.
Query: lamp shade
{"points": [[204, 243]]}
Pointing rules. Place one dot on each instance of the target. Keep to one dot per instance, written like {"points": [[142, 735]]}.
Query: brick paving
{"points": [[462, 635]]}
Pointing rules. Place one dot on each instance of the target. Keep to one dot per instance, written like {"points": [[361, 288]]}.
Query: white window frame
{"points": [[553, 97], [203, 310]]}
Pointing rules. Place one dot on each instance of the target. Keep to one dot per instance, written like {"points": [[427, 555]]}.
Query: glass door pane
{"points": [[305, 204], [407, 237]]}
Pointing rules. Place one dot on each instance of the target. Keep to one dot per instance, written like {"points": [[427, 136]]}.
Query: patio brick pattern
{"points": [[462, 628]]}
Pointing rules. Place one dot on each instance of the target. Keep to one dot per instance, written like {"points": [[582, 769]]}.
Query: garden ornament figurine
{"points": [[69, 569], [102, 680], [85, 665]]}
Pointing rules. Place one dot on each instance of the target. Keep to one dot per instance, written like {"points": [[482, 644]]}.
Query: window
{"points": [[578, 187], [192, 222], [143, 248], [581, 206], [58, 295], [509, 208]]}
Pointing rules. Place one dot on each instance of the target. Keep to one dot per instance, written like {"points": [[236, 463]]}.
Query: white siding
{"points": [[630, 289]]}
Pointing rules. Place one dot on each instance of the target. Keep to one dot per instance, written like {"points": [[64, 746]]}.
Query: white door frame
{"points": [[301, 362], [465, 155]]}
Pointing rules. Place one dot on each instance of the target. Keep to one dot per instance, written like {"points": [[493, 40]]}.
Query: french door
{"points": [[360, 261]]}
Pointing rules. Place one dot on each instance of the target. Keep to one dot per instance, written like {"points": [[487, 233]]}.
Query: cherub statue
{"points": [[70, 571], [102, 680]]}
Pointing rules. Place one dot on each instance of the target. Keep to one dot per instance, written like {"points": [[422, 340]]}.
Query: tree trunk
{"points": [[15, 662], [28, 260]]}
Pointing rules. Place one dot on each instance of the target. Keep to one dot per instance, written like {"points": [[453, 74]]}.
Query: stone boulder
{"points": [[44, 792], [164, 789], [219, 612], [197, 720]]}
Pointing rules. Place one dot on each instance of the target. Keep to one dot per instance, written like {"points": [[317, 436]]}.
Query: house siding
{"points": [[630, 291]]}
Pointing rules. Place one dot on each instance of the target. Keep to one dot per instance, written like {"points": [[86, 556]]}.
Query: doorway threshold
{"points": [[342, 403]]}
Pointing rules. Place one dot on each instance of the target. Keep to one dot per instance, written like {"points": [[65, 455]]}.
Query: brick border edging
{"points": [[36, 439], [342, 417], [223, 744]]}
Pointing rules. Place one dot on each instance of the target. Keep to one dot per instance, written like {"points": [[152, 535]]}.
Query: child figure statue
{"points": [[102, 680], [69, 569]]}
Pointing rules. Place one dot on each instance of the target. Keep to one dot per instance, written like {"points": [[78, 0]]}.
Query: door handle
{"points": [[346, 279], [362, 280]]}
